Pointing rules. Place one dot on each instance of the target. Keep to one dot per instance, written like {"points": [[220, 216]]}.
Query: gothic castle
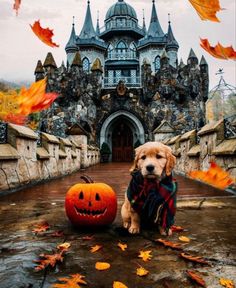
{"points": [[123, 83]]}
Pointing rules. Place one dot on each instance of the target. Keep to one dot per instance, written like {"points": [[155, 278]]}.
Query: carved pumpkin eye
{"points": [[81, 195], [97, 197]]}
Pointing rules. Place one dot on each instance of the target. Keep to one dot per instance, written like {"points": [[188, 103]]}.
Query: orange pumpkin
{"points": [[91, 204]]}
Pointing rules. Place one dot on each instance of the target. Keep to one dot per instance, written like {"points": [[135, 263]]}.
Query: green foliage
{"points": [[105, 149]]}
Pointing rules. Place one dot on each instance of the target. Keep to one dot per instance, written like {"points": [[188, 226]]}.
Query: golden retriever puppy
{"points": [[151, 195]]}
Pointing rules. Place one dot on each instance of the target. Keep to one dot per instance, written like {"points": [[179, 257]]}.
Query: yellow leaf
{"points": [[64, 246], [123, 247], [184, 239], [226, 283], [102, 266], [145, 255], [141, 271], [95, 248], [72, 282], [117, 284]]}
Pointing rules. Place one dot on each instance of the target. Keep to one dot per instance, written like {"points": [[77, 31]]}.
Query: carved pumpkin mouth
{"points": [[93, 213]]}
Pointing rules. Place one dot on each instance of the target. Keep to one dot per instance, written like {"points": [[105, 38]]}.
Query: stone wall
{"points": [[195, 151], [23, 162]]}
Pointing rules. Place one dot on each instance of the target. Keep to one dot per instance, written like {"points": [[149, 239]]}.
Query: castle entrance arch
{"points": [[120, 131]]}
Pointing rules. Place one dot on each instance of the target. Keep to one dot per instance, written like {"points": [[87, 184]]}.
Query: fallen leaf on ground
{"points": [[117, 284], [170, 244], [177, 228], [44, 34], [218, 51], [41, 227], [88, 238], [102, 266], [95, 248], [226, 283], [48, 260], [72, 282], [16, 6], [184, 239], [64, 247], [57, 234], [196, 277], [123, 247], [197, 259], [141, 271], [145, 255], [207, 9]]}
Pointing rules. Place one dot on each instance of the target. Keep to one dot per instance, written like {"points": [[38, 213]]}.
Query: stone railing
{"points": [[195, 151], [23, 162]]}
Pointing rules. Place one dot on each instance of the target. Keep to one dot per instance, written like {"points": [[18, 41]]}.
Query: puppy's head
{"points": [[154, 160]]}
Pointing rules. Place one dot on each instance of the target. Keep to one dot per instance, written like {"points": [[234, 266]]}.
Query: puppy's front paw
{"points": [[126, 225], [134, 229]]}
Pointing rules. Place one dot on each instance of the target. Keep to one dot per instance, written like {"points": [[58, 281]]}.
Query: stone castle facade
{"points": [[124, 84]]}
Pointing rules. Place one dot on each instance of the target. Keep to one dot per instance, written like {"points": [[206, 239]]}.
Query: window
{"points": [[86, 64], [110, 51], [121, 47], [132, 48], [157, 63]]}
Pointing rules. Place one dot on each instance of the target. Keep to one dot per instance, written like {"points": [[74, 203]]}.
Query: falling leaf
{"points": [[57, 234], [207, 9], [215, 176], [15, 118], [184, 239], [64, 247], [177, 228], [95, 248], [88, 238], [141, 271], [197, 259], [123, 247], [145, 255], [170, 244], [218, 51], [48, 260], [72, 282], [226, 283], [102, 266], [16, 6], [44, 34], [197, 278], [117, 284], [41, 227]]}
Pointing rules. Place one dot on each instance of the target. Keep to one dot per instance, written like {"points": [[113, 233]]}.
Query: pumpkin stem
{"points": [[87, 179]]}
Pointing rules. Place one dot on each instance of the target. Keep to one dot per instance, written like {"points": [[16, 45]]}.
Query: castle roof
{"points": [[71, 45], [121, 8], [181, 64], [155, 29], [97, 65], [88, 31], [49, 61], [39, 67], [171, 41], [203, 61], [77, 60], [192, 54]]}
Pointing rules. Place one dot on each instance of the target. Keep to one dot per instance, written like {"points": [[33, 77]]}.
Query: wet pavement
{"points": [[207, 214]]}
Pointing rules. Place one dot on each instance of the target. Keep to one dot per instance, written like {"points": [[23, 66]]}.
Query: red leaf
{"points": [[177, 228], [195, 277], [16, 6], [218, 51], [48, 260], [170, 244], [197, 259], [44, 34]]}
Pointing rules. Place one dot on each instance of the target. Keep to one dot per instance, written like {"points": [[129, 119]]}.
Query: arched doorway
{"points": [[122, 142]]}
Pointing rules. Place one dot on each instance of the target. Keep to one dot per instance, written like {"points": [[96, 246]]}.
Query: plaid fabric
{"points": [[151, 198]]}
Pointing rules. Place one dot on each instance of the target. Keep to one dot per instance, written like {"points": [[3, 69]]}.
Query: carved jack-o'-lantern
{"points": [[91, 204]]}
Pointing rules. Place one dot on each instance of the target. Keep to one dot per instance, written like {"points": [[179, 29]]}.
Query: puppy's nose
{"points": [[150, 168]]}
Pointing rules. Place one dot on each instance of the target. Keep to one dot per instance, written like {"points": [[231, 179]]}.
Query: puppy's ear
{"points": [[135, 164], [171, 161]]}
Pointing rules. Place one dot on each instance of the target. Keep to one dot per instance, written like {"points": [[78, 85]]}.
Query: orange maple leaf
{"points": [[170, 244], [123, 247], [16, 6], [117, 284], [102, 266], [207, 9], [95, 248], [197, 259], [15, 118], [218, 51], [177, 228], [145, 255], [141, 271], [41, 227], [196, 277], [44, 34], [72, 282], [215, 176], [48, 260], [64, 247], [226, 283]]}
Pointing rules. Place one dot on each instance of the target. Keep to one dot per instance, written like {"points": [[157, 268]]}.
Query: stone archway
{"points": [[129, 128]]}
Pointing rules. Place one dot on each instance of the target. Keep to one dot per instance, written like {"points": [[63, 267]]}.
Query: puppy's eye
{"points": [[158, 156], [143, 157]]}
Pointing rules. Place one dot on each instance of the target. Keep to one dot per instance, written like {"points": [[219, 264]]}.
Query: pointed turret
{"points": [[192, 54], [164, 59], [192, 58], [88, 31], [203, 65], [97, 65], [62, 68], [203, 61], [144, 24], [49, 61], [172, 44], [98, 26], [71, 44], [77, 60], [39, 71], [155, 29], [181, 64]]}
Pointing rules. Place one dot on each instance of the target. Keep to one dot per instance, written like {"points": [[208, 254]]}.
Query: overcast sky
{"points": [[20, 48]]}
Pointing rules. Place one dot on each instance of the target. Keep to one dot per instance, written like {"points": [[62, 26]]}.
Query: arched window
{"points": [[132, 48], [121, 50], [110, 51], [86, 64], [157, 63]]}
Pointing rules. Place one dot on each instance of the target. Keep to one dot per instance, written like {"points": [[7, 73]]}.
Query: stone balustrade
{"points": [[23, 162], [195, 151]]}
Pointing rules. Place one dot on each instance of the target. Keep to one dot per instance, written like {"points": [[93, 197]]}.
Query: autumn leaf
{"points": [[41, 227], [215, 176], [226, 283], [44, 34], [15, 119], [184, 239], [95, 248], [197, 278], [218, 51], [64, 247], [197, 259], [177, 228], [170, 244], [207, 9], [57, 234], [16, 6], [117, 284], [48, 260], [145, 255], [102, 266], [141, 271], [123, 247], [72, 282]]}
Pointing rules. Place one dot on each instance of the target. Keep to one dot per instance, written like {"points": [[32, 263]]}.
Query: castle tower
{"points": [[39, 71], [71, 47], [49, 63], [192, 59], [172, 47], [76, 64], [155, 29], [205, 78]]}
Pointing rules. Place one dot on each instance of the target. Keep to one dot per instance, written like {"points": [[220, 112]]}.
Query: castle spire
{"points": [[88, 31], [71, 44], [155, 29], [144, 23], [98, 26], [171, 41]]}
